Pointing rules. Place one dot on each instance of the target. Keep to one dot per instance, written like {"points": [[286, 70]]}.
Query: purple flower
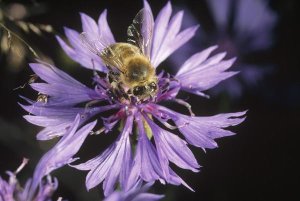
{"points": [[11, 190], [243, 27], [137, 193], [146, 144], [253, 21]]}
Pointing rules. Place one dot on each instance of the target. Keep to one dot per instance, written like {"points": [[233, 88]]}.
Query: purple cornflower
{"points": [[136, 193], [11, 190], [242, 27], [146, 145]]}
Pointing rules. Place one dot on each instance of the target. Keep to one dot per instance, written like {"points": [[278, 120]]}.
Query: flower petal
{"points": [[146, 164], [137, 193], [196, 77], [64, 89], [104, 29], [96, 32], [160, 25], [180, 39], [195, 60], [62, 153], [57, 119], [108, 165], [81, 57], [166, 38], [201, 131], [88, 24], [173, 148]]}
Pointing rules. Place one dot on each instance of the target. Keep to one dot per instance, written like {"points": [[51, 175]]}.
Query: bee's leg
{"points": [[109, 68], [114, 88], [121, 89], [111, 78], [112, 73], [101, 130], [129, 97], [186, 104], [90, 104]]}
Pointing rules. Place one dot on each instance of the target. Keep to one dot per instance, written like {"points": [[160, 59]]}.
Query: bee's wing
{"points": [[141, 30], [93, 45], [101, 47]]}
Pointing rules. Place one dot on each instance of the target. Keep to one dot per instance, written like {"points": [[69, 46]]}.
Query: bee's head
{"points": [[146, 90]]}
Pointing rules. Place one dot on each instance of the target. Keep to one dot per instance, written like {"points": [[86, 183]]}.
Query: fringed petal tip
{"points": [[199, 74], [239, 117]]}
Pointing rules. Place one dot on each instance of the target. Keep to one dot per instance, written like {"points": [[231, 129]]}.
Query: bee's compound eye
{"points": [[138, 90], [152, 86]]}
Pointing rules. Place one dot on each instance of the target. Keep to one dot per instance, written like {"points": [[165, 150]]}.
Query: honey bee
{"points": [[129, 63]]}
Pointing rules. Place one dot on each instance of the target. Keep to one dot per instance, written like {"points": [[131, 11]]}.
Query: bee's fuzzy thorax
{"points": [[138, 70]]}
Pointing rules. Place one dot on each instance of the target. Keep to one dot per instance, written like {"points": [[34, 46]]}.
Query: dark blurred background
{"points": [[259, 163]]}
